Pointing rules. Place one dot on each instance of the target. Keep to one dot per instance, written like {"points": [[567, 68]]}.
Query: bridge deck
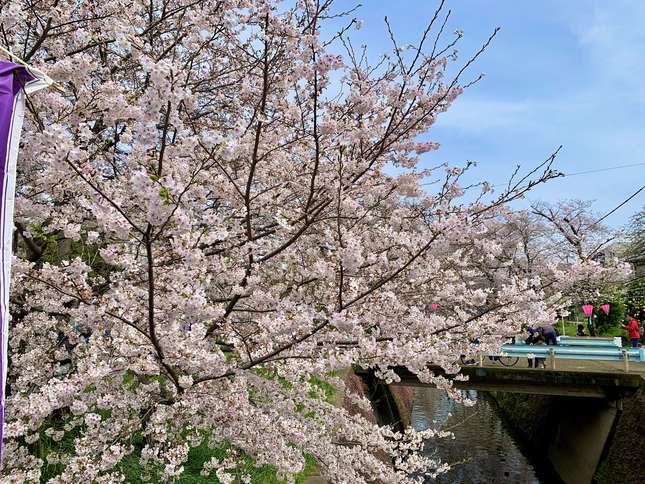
{"points": [[575, 378], [582, 366]]}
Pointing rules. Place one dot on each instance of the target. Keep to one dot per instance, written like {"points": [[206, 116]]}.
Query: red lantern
{"points": [[587, 310], [605, 308], [434, 306]]}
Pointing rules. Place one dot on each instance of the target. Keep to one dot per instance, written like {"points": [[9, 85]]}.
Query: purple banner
{"points": [[16, 81]]}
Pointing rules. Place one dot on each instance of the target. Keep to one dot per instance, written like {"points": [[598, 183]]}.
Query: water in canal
{"points": [[483, 450]]}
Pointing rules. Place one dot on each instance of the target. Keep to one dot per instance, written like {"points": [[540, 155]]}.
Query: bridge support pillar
{"points": [[583, 429]]}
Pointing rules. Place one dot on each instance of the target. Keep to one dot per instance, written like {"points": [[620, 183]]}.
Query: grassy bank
{"points": [[136, 473], [570, 328]]}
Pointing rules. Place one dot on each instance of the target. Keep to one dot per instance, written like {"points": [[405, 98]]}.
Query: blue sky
{"points": [[559, 72]]}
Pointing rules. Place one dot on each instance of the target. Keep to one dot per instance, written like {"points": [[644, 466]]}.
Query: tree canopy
{"points": [[223, 209]]}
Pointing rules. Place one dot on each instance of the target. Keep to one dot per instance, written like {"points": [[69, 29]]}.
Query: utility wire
{"points": [[586, 173], [621, 204], [604, 169], [564, 175]]}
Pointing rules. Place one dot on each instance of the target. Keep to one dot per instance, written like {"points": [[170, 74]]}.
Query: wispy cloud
{"points": [[477, 115], [613, 36]]}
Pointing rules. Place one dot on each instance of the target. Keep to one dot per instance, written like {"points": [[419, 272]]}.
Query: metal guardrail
{"points": [[579, 352], [589, 341], [575, 352]]}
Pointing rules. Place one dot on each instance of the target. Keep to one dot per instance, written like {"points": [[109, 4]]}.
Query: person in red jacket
{"points": [[633, 331]]}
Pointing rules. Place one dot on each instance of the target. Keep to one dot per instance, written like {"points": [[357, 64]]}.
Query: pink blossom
{"points": [[216, 190]]}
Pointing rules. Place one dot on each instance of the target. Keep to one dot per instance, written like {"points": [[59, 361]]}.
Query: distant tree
{"points": [[576, 234], [635, 253], [569, 231], [636, 236], [635, 296]]}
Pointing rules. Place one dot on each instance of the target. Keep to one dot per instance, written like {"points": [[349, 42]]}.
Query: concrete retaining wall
{"points": [[626, 452], [584, 440], [392, 406]]}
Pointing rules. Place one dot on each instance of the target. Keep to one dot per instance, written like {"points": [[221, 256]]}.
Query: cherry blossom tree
{"points": [[207, 224], [635, 243], [574, 229]]}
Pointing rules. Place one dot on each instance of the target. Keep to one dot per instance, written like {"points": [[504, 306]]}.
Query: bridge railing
{"points": [[606, 352], [589, 341]]}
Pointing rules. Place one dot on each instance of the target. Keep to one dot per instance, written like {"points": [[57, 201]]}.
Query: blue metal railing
{"points": [[588, 341], [571, 348], [575, 353]]}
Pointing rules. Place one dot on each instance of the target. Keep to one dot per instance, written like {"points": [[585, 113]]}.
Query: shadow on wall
{"points": [[588, 440]]}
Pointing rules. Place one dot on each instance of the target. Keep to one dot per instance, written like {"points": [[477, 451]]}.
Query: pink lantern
{"points": [[605, 308], [434, 306], [587, 309]]}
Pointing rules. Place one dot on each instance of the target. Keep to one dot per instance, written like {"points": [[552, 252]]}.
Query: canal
{"points": [[484, 448]]}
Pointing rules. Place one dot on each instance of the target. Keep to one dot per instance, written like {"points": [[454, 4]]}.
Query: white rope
{"points": [[18, 60]]}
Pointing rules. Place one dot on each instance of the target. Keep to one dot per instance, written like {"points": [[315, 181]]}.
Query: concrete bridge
{"points": [[573, 378], [587, 395], [577, 367]]}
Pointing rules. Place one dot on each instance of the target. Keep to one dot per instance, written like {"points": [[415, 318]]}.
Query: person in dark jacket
{"points": [[581, 330], [550, 335]]}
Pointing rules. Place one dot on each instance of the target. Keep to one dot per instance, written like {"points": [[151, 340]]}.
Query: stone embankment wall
{"points": [[584, 440], [392, 405], [626, 452]]}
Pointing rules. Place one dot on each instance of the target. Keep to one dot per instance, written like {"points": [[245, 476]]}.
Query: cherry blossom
{"points": [[208, 218]]}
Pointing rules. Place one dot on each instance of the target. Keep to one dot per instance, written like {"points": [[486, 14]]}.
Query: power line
{"points": [[604, 169], [632, 165], [564, 175], [621, 204]]}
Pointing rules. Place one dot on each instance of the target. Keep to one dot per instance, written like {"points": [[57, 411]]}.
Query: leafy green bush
{"points": [[606, 322], [635, 297]]}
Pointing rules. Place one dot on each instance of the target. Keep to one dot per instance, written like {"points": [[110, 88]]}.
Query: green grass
{"points": [[197, 456], [329, 390], [571, 328], [44, 445], [602, 476], [136, 473]]}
